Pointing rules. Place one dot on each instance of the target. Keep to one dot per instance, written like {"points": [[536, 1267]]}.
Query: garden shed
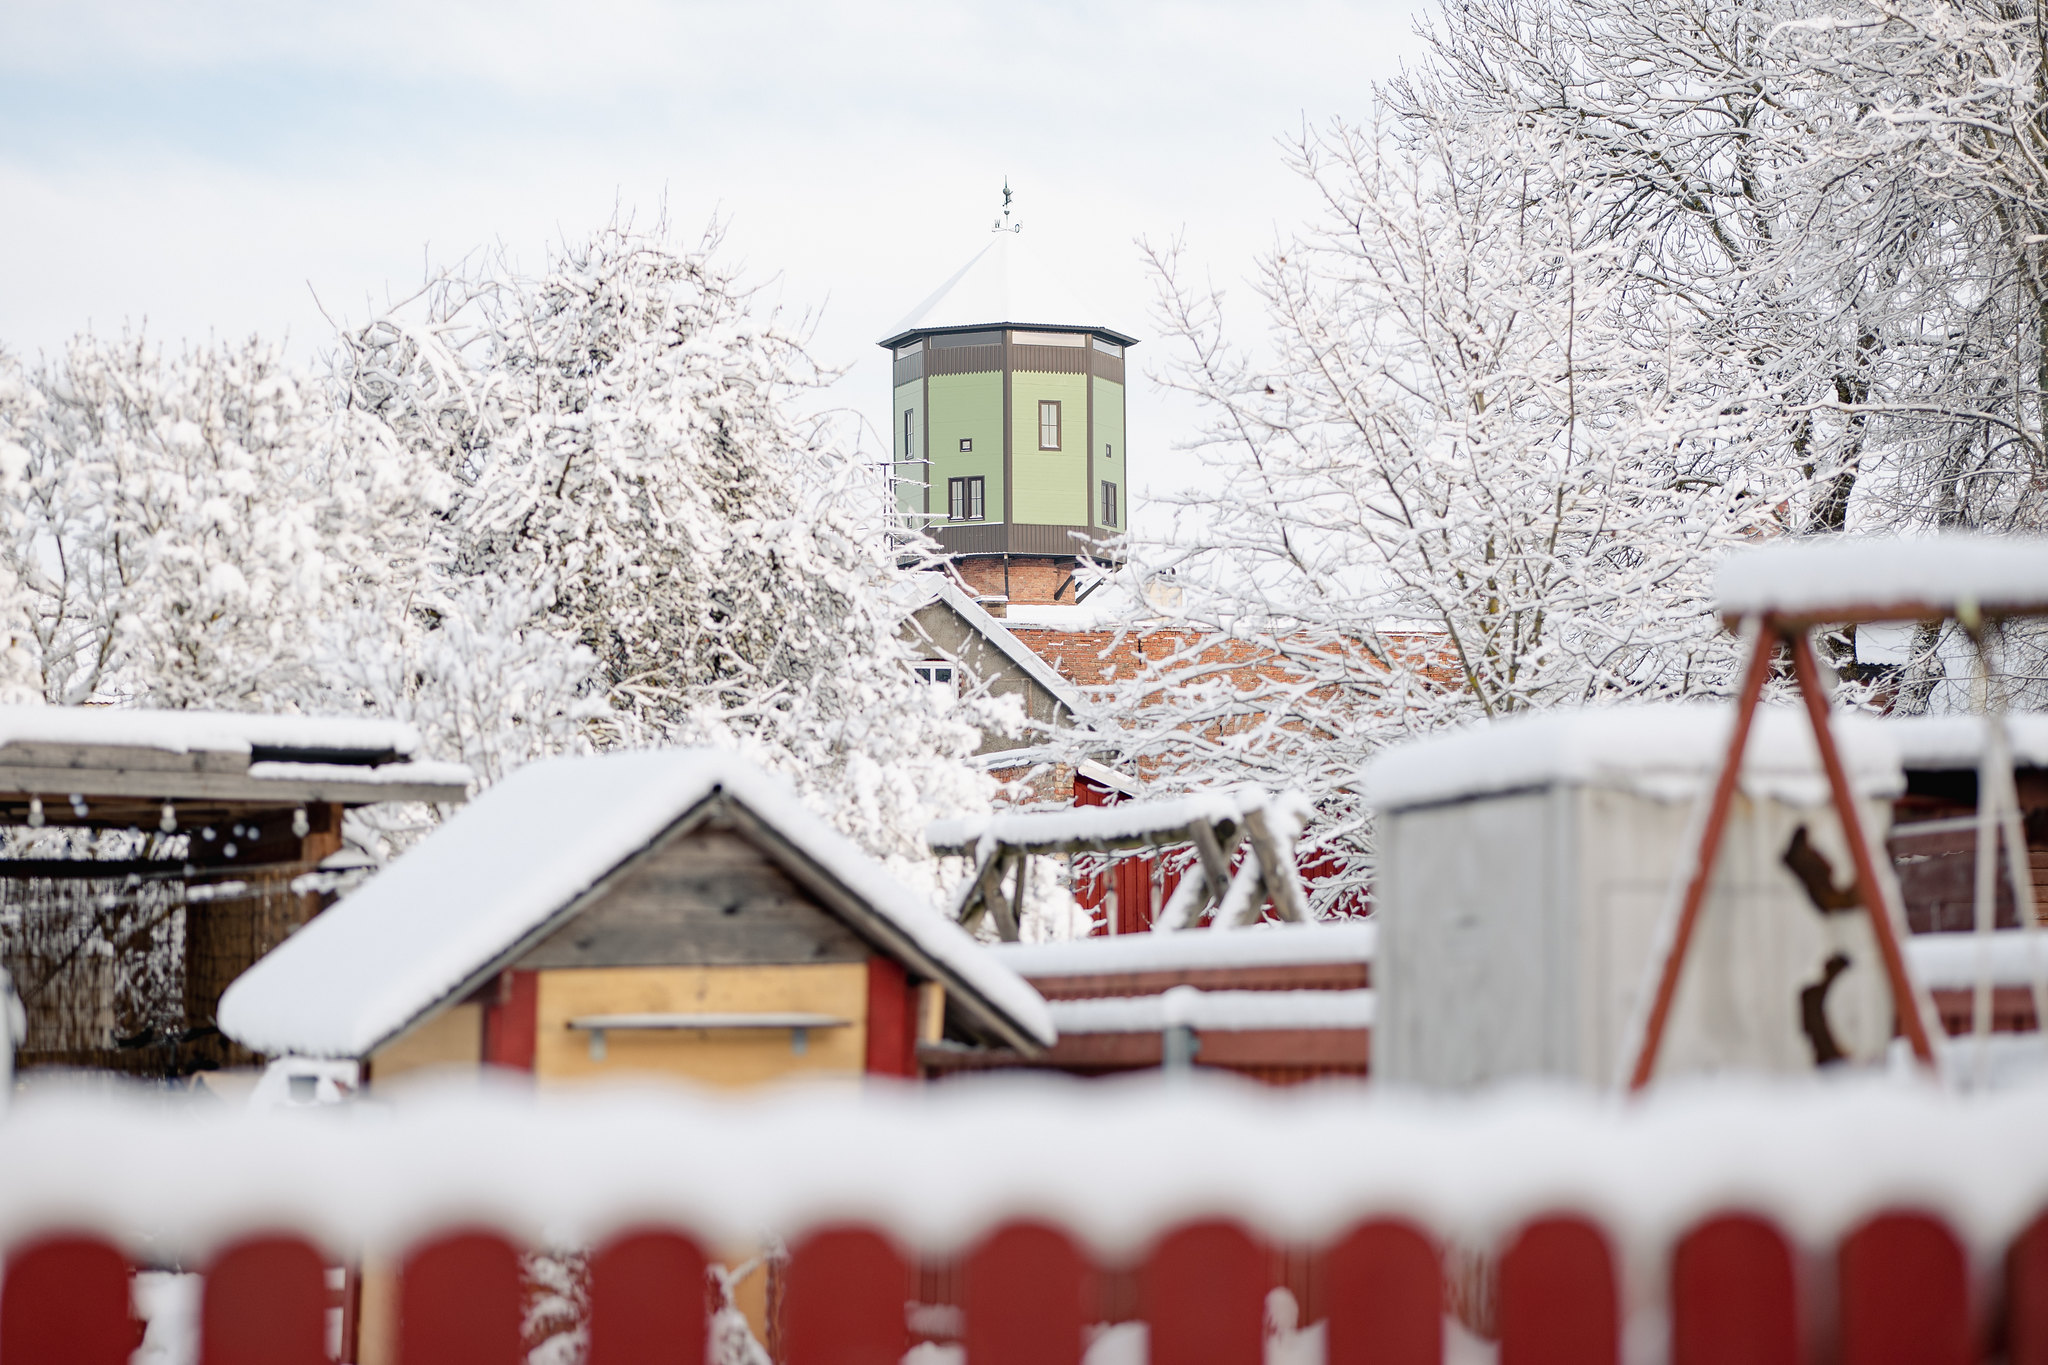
{"points": [[1528, 867], [671, 912]]}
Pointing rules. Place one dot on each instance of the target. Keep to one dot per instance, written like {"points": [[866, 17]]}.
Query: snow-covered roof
{"points": [[932, 587], [337, 739], [1005, 284], [1829, 574], [222, 755], [1939, 743], [1222, 1011], [1666, 750], [507, 870], [1260, 945], [1953, 961]]}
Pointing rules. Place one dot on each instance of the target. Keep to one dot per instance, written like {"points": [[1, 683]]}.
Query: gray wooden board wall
{"points": [[705, 896]]}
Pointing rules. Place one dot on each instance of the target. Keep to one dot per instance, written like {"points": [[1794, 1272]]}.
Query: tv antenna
{"points": [[1003, 224]]}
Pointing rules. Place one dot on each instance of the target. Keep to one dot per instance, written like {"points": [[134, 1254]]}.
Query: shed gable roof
{"points": [[527, 855]]}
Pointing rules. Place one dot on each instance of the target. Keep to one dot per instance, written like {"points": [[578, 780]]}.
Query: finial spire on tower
{"points": [[1003, 224]]}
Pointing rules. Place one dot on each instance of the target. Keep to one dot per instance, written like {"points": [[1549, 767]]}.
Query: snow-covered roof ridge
{"points": [[500, 874], [939, 588], [1005, 282], [1259, 945], [346, 738], [1938, 573], [1082, 824], [1670, 750], [1927, 743]]}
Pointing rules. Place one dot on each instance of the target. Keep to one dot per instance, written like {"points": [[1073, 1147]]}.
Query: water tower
{"points": [[1008, 425]]}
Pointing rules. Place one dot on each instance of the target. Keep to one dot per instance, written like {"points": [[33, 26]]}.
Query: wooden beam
{"points": [[1283, 880]]}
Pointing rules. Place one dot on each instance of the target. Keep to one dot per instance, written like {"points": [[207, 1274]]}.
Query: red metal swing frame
{"points": [[1794, 631]]}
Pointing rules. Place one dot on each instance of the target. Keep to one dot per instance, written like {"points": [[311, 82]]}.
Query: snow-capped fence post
{"points": [[1558, 1302], [1029, 1294], [1203, 1293], [648, 1301], [1386, 1294], [65, 1298], [1733, 1295], [1905, 1294], [845, 1302], [459, 1300], [264, 1302]]}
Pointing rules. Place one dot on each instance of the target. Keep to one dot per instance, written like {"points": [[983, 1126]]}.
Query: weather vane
{"points": [[1003, 224]]}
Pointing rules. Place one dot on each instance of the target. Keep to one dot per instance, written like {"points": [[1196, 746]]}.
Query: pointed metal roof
{"points": [[1005, 285]]}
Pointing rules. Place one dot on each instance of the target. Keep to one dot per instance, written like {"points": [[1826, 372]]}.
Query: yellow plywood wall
{"points": [[454, 1037], [731, 1057]]}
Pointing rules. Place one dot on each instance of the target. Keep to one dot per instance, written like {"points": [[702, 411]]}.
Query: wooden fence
{"points": [[1898, 1292]]}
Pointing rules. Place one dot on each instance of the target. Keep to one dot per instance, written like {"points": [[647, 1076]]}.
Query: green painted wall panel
{"points": [[1111, 454], [1051, 486], [909, 495], [967, 407]]}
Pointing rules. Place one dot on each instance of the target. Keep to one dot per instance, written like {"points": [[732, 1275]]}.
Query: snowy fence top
{"points": [[1670, 751], [455, 909], [1260, 945], [221, 755], [1127, 824], [2009, 957], [1815, 1156], [1840, 579]]}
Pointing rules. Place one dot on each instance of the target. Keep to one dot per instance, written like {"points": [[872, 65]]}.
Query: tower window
{"points": [[910, 433], [964, 499], [1108, 503], [966, 444], [1108, 451], [1048, 424]]}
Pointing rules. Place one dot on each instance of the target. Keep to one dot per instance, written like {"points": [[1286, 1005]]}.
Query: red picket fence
{"points": [[1902, 1295]]}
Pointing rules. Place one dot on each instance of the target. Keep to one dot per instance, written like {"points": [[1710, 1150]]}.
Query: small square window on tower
{"points": [[1108, 451], [1108, 503], [964, 499], [966, 444], [1048, 424]]}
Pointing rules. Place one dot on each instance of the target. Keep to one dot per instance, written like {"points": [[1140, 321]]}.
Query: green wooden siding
{"points": [[1110, 452], [969, 407], [1051, 486], [909, 495]]}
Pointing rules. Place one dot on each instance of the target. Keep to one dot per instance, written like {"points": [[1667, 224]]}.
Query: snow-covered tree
{"points": [[644, 541], [1465, 478]]}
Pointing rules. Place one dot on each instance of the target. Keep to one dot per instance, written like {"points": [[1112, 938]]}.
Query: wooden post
{"points": [[1733, 1295], [66, 1299], [1203, 1290], [1558, 1301], [1386, 1296], [460, 1302], [648, 1301], [264, 1302], [1027, 1298], [1905, 1295], [844, 1303]]}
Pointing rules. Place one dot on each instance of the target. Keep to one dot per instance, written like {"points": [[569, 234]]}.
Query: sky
{"points": [[222, 169]]}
